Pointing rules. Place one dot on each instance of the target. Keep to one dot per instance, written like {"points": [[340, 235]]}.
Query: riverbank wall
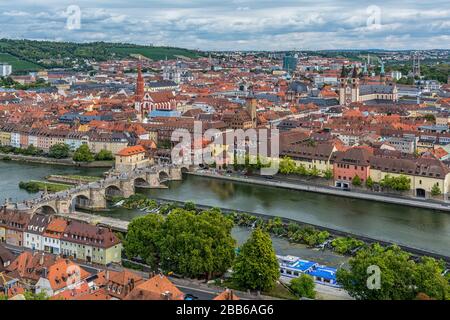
{"points": [[60, 162], [301, 186]]}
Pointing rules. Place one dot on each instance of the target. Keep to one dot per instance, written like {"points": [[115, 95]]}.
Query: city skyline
{"points": [[235, 25]]}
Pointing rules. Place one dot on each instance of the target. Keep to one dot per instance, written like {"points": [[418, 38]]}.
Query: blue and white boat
{"points": [[293, 267]]}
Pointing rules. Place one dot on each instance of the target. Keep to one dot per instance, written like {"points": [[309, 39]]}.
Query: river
{"points": [[419, 228]]}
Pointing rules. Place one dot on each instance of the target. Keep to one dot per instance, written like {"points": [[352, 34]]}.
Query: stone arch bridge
{"points": [[94, 195]]}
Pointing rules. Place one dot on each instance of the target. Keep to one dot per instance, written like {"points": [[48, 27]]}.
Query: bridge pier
{"points": [[175, 174], [63, 206], [127, 187], [98, 198], [153, 180]]}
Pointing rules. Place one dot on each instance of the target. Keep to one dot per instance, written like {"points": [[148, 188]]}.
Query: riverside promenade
{"points": [[309, 187]]}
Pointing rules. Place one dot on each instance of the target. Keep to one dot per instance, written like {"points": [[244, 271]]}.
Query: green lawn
{"points": [[83, 178], [17, 64], [34, 186]]}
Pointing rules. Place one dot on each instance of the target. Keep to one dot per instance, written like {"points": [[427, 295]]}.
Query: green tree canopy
{"points": [[303, 286], [287, 166], [256, 266], [369, 182], [356, 181], [104, 155], [400, 277], [436, 190], [59, 151], [142, 238], [83, 154], [328, 174], [197, 244], [400, 183]]}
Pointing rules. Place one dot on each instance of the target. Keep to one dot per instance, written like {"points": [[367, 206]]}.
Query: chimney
{"points": [[107, 275], [41, 259]]}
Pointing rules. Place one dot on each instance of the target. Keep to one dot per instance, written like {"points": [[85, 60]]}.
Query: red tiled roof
{"points": [[131, 151]]}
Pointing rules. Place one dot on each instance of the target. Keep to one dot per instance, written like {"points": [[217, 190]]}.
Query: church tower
{"points": [[348, 87], [140, 84], [140, 92], [355, 85]]}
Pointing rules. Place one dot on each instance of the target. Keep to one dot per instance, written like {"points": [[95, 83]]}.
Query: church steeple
{"points": [[343, 72], [355, 73], [140, 84]]}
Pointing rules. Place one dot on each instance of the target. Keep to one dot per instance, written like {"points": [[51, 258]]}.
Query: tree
{"points": [[369, 182], [189, 205], [356, 181], [400, 183], [428, 279], [31, 150], [142, 238], [436, 190], [256, 266], [303, 286], [104, 155], [400, 277], [314, 172], [328, 174], [196, 245], [59, 151], [83, 154], [287, 166]]}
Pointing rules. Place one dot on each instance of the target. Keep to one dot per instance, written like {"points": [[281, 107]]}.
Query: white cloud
{"points": [[238, 24]]}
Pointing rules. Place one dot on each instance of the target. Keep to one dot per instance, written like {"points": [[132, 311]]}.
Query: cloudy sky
{"points": [[234, 24]]}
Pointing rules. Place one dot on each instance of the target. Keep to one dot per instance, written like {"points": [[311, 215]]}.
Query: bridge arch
{"points": [[141, 183], [113, 191], [184, 169], [80, 201], [46, 209], [163, 175]]}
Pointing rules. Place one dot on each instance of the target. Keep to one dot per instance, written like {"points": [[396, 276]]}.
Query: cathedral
{"points": [[351, 90], [153, 104]]}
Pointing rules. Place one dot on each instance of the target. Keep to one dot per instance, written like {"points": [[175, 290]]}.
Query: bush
{"points": [[59, 151], [346, 245], [436, 190], [356, 181], [303, 286], [400, 183], [83, 154], [104, 155]]}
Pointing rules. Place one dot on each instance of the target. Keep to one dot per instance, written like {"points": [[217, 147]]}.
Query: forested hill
{"points": [[30, 55]]}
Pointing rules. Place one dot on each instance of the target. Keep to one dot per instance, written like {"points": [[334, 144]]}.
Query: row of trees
{"points": [[61, 151], [292, 231], [289, 166], [400, 183], [8, 82], [84, 154]]}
